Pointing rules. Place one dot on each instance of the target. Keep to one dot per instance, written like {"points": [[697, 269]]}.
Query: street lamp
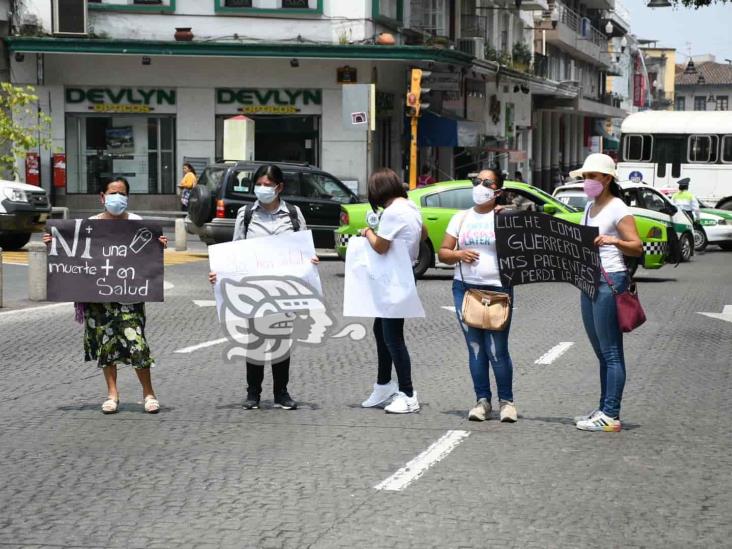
{"points": [[659, 4], [609, 28], [623, 44]]}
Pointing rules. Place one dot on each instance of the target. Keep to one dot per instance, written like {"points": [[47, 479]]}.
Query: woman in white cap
{"points": [[618, 237]]}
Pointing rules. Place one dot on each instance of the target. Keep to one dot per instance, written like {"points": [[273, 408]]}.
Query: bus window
{"points": [[638, 148], [669, 149], [727, 148], [703, 149]]}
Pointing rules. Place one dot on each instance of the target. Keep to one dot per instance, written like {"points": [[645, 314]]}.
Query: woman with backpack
{"points": [[268, 216]]}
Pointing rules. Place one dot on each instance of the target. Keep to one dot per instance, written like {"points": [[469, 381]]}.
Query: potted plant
{"points": [[521, 56]]}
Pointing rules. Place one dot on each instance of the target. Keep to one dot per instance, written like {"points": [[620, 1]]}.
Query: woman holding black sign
{"points": [[470, 242], [618, 237], [115, 332]]}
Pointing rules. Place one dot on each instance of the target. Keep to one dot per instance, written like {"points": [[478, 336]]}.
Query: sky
{"points": [[707, 29]]}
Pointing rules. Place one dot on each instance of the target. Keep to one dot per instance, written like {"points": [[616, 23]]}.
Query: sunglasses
{"points": [[485, 182]]}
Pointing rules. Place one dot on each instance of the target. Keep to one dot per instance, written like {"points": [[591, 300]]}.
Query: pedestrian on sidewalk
{"points": [[401, 220], [618, 237], [114, 333], [268, 216], [470, 244], [186, 185]]}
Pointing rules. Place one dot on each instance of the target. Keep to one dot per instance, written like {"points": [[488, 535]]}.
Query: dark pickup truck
{"points": [[225, 187], [24, 210]]}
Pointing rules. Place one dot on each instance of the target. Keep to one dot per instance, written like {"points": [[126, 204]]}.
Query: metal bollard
{"points": [[1, 278], [37, 266], [181, 236]]}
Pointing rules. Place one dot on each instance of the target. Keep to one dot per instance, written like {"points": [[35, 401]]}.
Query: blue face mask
{"points": [[115, 204], [265, 195]]}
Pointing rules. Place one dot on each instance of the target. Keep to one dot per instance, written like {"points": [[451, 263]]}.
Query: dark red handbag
{"points": [[629, 310]]}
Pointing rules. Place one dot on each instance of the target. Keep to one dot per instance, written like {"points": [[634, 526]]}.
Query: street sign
{"points": [[443, 81]]}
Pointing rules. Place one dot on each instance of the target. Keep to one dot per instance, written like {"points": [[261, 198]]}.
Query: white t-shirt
{"points": [[478, 232], [607, 221], [402, 221]]}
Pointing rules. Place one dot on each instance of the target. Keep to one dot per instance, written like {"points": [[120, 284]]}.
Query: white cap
{"points": [[596, 162]]}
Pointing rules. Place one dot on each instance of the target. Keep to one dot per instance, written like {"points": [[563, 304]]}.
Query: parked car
{"points": [[224, 188], [644, 201], [24, 210], [439, 202]]}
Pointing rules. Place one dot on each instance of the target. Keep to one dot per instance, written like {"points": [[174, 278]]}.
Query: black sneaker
{"points": [[284, 401], [251, 403]]}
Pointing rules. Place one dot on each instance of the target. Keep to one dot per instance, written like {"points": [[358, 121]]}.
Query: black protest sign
{"points": [[98, 261], [536, 247]]}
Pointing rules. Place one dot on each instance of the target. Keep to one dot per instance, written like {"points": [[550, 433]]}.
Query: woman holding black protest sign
{"points": [[268, 216], [618, 237], [470, 242], [114, 333]]}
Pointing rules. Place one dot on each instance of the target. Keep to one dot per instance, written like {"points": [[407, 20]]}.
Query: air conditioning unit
{"points": [[474, 46], [69, 17]]}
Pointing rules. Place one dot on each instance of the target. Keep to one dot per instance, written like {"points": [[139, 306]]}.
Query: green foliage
{"points": [[521, 54], [696, 4], [23, 127], [501, 57]]}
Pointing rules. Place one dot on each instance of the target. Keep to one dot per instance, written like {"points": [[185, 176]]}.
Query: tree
{"points": [[696, 4], [23, 126]]}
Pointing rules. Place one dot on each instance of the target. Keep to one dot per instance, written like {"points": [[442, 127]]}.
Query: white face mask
{"points": [[482, 195], [265, 195]]}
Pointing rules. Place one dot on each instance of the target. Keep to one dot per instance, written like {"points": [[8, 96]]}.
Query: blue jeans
{"points": [[392, 349], [600, 318], [486, 347]]}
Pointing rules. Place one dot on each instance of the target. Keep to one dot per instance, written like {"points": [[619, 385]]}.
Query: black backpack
{"points": [[249, 212]]}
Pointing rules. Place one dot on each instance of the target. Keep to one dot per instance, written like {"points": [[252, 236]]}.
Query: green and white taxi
{"points": [[439, 202], [644, 202]]}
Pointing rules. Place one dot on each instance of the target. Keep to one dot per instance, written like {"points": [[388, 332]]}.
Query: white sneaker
{"points": [[402, 404], [585, 417], [508, 411], [381, 395], [600, 422], [481, 411]]}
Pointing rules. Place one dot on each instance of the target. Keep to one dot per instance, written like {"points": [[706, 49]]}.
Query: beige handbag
{"points": [[484, 309]]}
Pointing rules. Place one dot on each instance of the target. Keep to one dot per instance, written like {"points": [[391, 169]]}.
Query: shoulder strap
{"points": [[248, 213], [460, 226], [294, 219]]}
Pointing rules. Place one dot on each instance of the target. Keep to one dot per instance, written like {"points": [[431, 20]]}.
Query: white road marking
{"points": [[168, 285], [554, 353], [419, 465], [32, 309], [726, 314], [449, 308], [204, 302], [186, 350]]}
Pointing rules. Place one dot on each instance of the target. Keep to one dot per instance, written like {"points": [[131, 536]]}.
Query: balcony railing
{"points": [[473, 26], [581, 25]]}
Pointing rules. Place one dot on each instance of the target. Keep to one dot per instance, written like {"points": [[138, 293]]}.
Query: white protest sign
{"points": [[284, 255], [380, 285]]}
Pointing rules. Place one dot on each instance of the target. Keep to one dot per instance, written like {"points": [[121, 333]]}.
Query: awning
{"points": [[435, 130], [31, 44]]}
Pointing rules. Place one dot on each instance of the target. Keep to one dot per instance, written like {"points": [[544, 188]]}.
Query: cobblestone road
{"points": [[205, 473]]}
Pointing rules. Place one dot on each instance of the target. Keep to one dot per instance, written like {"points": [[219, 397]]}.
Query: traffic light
{"points": [[414, 96]]}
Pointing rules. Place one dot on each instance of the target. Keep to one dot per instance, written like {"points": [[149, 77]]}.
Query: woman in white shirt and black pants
{"points": [[401, 220], [618, 237], [470, 242]]}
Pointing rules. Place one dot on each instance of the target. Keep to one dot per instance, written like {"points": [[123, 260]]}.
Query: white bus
{"points": [[661, 147]]}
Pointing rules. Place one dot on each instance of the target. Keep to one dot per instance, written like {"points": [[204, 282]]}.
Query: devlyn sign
{"points": [[131, 100], [268, 101]]}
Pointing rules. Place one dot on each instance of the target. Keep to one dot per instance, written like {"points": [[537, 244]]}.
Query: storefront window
{"points": [[140, 148], [279, 138]]}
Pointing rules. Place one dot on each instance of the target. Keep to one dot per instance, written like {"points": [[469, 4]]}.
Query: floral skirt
{"points": [[115, 334]]}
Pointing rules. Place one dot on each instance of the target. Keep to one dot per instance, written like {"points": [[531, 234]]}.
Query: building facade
{"points": [[703, 85], [148, 85]]}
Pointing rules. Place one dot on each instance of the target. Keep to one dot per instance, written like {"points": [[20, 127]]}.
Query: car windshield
{"points": [[575, 200], [551, 200]]}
